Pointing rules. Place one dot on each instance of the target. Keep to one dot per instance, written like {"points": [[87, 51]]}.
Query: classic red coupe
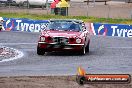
{"points": [[64, 35]]}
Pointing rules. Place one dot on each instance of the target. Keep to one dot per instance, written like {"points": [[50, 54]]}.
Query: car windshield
{"points": [[64, 26]]}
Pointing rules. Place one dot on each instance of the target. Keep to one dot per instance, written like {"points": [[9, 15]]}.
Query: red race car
{"points": [[64, 35]]}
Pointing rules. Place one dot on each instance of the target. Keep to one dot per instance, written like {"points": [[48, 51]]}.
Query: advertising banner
{"points": [[22, 24], [28, 25], [119, 30]]}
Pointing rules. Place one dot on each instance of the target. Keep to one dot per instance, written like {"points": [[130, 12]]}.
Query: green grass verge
{"points": [[84, 18]]}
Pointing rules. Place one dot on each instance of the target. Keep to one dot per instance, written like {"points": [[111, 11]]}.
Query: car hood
{"points": [[62, 33]]}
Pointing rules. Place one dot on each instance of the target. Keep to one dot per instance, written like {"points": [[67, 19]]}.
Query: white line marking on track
{"points": [[18, 43], [120, 47]]}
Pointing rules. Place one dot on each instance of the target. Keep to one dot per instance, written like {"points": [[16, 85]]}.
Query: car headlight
{"points": [[78, 40], [42, 39]]}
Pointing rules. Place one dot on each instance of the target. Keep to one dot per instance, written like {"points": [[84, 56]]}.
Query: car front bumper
{"points": [[59, 47]]}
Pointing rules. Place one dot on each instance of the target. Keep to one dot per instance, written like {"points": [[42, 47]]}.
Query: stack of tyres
{"points": [[0, 27], [57, 11], [1, 23], [64, 11]]}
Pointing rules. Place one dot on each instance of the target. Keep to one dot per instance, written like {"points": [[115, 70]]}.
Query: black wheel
{"points": [[20, 5], [87, 48], [43, 6], [2, 4], [40, 51], [14, 3], [0, 27], [81, 80], [26, 4], [83, 51]]}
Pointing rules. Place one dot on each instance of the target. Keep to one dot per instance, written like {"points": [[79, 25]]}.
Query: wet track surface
{"points": [[107, 55]]}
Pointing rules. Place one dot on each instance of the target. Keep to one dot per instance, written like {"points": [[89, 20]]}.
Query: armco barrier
{"points": [[119, 30], [22, 24]]}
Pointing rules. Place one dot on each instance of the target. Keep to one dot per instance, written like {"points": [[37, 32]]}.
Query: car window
{"points": [[65, 26]]}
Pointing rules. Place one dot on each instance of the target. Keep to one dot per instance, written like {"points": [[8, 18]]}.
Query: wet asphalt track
{"points": [[107, 55]]}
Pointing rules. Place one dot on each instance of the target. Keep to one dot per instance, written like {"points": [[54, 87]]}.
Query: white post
{"points": [[87, 6], [28, 4], [94, 2], [47, 6], [109, 9], [9, 6], [131, 14]]}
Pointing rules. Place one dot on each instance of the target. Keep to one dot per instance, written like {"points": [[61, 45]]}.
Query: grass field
{"points": [[84, 18]]}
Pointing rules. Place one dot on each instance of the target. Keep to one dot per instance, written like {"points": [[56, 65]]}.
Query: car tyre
{"points": [[40, 51], [83, 51], [87, 48], [80, 80]]}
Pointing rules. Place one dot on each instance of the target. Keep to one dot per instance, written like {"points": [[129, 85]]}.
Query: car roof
{"points": [[69, 20]]}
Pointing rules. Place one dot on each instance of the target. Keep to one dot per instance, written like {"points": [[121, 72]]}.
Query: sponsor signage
{"points": [[84, 78], [119, 30], [21, 24], [104, 78], [28, 25]]}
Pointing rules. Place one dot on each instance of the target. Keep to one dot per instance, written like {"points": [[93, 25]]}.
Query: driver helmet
{"points": [[1, 19]]}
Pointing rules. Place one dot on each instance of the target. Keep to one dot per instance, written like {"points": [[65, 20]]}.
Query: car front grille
{"points": [[60, 40]]}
